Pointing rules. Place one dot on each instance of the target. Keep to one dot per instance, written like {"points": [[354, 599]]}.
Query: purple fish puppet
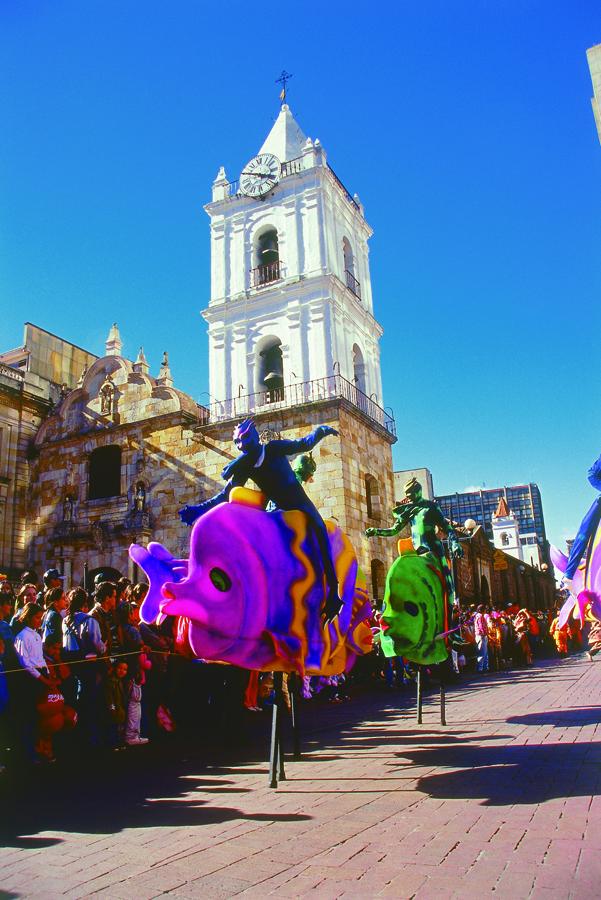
{"points": [[253, 590]]}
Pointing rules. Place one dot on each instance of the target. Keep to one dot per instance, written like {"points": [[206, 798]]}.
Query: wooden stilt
{"points": [[419, 695], [443, 712]]}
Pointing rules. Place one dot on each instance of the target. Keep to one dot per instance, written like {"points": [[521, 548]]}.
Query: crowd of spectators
{"points": [[80, 670], [491, 639]]}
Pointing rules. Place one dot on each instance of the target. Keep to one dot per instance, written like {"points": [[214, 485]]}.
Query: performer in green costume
{"points": [[424, 517], [419, 584]]}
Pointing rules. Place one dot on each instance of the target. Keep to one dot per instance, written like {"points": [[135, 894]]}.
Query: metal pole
{"points": [[419, 695], [276, 758], [85, 576], [273, 752], [279, 692], [293, 688]]}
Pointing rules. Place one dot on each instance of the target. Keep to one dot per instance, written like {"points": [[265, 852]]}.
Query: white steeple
{"points": [[291, 298], [506, 531], [285, 140], [113, 342]]}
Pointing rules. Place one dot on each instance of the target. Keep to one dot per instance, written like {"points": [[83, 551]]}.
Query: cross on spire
{"points": [[284, 77]]}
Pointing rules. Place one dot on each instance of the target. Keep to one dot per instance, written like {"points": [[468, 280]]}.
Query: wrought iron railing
{"points": [[331, 388], [266, 274], [344, 190], [352, 284]]}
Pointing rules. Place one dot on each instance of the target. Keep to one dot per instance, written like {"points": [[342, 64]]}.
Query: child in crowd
{"points": [[116, 704], [59, 670], [134, 710]]}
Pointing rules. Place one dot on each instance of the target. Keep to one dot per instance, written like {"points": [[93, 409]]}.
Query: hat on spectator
{"points": [[52, 574], [98, 579]]}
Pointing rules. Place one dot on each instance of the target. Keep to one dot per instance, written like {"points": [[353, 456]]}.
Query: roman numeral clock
{"points": [[260, 175]]}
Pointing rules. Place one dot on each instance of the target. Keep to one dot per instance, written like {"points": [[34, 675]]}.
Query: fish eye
{"points": [[220, 579], [411, 608]]}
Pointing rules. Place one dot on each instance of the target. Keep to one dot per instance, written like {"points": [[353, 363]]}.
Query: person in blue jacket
{"points": [[268, 466], [588, 527]]}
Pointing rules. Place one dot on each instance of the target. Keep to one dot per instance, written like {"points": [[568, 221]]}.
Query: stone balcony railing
{"points": [[14, 374], [334, 387]]}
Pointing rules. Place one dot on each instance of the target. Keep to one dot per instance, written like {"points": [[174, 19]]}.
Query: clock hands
{"points": [[258, 174]]}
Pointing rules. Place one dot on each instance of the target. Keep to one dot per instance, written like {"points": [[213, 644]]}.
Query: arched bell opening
{"points": [[266, 257], [359, 370], [270, 371]]}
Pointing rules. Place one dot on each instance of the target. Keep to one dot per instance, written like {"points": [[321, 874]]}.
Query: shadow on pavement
{"points": [[562, 718], [114, 794], [510, 774]]}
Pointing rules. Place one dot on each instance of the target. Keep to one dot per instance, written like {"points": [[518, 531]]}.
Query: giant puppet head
{"points": [[246, 436]]}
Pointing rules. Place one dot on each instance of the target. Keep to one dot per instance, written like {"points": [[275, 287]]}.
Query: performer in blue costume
{"points": [[587, 529], [267, 465]]}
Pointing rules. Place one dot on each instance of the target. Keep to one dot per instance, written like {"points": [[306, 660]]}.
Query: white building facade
{"points": [[291, 306]]}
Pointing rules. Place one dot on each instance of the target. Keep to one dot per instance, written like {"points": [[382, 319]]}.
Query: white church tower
{"points": [[506, 531], [291, 309], [292, 336]]}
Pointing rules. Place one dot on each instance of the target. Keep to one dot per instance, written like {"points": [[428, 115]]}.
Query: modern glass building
{"points": [[523, 500]]}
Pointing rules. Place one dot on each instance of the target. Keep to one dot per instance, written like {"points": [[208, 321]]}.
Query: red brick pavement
{"points": [[502, 801]]}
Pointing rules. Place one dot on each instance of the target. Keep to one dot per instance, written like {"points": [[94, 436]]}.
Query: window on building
{"points": [[104, 473], [372, 497], [349, 268], [504, 539]]}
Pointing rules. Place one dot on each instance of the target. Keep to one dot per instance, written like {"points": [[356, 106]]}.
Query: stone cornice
{"points": [[156, 423]]}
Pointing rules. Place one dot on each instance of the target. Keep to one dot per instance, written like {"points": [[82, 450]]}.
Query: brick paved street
{"points": [[504, 800]]}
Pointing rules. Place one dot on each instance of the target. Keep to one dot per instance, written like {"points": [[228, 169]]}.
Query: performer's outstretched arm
{"points": [[399, 523], [304, 444], [189, 514]]}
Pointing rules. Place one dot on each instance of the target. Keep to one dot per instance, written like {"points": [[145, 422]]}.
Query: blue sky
{"points": [[465, 127]]}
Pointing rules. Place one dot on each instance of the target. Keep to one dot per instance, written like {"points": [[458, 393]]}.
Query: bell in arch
{"points": [[268, 248]]}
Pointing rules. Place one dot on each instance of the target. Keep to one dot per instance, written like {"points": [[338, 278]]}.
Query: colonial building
{"points": [[489, 575], [33, 378], [293, 341]]}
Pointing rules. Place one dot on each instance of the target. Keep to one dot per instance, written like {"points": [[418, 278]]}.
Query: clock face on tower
{"points": [[260, 175]]}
